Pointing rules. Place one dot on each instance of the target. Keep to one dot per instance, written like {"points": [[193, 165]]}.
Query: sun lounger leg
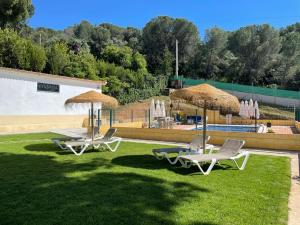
{"points": [[84, 147], [169, 160], [159, 157], [213, 162], [185, 163], [116, 147], [57, 142], [244, 154]]}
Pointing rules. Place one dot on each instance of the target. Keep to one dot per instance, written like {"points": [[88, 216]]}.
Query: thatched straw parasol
{"points": [[94, 97], [216, 98], [207, 96]]}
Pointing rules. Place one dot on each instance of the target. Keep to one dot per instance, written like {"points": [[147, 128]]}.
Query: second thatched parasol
{"points": [[208, 97], [216, 98], [94, 97]]}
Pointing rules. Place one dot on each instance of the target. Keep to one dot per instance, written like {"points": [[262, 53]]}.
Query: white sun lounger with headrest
{"points": [[195, 147], [60, 142], [231, 150], [78, 147]]}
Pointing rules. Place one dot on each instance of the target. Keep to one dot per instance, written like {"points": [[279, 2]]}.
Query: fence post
{"points": [[299, 164], [196, 119], [110, 118], [98, 122], [131, 116], [90, 118], [149, 118]]}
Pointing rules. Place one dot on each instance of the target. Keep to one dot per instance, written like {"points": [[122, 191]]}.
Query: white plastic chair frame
{"points": [[188, 163], [108, 144], [188, 151]]}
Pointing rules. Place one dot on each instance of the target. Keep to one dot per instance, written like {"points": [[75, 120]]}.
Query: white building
{"points": [[38, 98]]}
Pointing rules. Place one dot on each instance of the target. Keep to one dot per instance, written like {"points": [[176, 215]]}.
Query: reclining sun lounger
{"points": [[231, 150], [78, 147], [60, 142], [195, 147]]}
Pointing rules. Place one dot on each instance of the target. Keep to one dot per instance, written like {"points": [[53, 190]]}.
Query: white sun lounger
{"points": [[78, 147], [60, 142], [231, 150], [195, 147]]}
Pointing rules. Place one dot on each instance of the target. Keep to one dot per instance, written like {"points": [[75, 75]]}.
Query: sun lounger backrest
{"points": [[110, 133], [231, 147], [197, 142]]}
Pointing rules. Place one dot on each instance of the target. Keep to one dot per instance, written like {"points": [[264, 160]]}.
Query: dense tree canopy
{"points": [[159, 36], [15, 12], [137, 63]]}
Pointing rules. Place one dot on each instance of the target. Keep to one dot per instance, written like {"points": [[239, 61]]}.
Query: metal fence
{"points": [[243, 88], [279, 120]]}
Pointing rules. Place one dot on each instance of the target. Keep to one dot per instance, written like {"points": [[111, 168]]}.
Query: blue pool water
{"points": [[230, 128]]}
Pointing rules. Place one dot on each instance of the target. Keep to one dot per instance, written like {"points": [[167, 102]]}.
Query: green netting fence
{"points": [[243, 88]]}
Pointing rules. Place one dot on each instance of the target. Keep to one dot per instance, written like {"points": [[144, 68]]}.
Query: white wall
{"points": [[20, 97]]}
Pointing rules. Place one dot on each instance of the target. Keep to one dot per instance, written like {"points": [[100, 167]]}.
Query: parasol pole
{"points": [[204, 126], [92, 115]]}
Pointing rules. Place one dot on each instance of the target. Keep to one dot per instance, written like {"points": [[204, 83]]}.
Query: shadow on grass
{"points": [[50, 147], [37, 189], [151, 163]]}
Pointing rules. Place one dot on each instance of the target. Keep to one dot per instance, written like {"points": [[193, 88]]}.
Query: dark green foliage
{"points": [[17, 52], [159, 36], [129, 85], [82, 65], [57, 58], [14, 13]]}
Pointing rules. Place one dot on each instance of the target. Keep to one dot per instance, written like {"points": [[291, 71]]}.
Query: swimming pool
{"points": [[229, 128]]}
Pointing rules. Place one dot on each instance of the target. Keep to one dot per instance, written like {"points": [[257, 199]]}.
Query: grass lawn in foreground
{"points": [[41, 184]]}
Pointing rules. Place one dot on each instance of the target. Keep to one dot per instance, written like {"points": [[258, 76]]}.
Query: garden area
{"points": [[41, 184]]}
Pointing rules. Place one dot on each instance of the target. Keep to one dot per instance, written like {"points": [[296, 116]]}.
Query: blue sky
{"points": [[227, 14]]}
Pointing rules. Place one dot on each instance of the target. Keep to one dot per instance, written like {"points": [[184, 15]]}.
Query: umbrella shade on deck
{"points": [[94, 97]]}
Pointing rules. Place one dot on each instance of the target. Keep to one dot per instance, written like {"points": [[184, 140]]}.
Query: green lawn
{"points": [[40, 184]]}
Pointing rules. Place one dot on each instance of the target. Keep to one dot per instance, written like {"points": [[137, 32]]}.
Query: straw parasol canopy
{"points": [[94, 97], [216, 98]]}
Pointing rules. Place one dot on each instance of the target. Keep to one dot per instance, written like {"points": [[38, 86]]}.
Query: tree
{"points": [[255, 48], [17, 52], [167, 63], [99, 39], [290, 57], [81, 65], [57, 58], [161, 33], [15, 12], [133, 37], [139, 62], [83, 30], [11, 49], [121, 56], [216, 59], [34, 58]]}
